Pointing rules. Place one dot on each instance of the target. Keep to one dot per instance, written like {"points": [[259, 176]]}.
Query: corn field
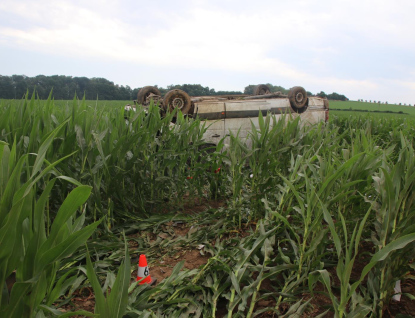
{"points": [[83, 191]]}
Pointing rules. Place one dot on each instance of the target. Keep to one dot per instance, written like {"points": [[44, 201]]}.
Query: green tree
{"points": [[273, 89], [249, 90], [6, 87], [335, 96], [322, 94]]}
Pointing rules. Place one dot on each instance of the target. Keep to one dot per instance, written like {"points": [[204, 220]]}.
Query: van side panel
{"points": [[251, 108], [236, 116], [214, 114]]}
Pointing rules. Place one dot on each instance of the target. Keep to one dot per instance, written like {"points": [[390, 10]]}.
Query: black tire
{"points": [[298, 99], [261, 90], [145, 92], [179, 99]]}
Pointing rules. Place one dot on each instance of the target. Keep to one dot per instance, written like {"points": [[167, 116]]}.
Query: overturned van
{"points": [[234, 113]]}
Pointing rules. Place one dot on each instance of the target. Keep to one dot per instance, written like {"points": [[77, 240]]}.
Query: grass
{"points": [[367, 115], [298, 203], [371, 107]]}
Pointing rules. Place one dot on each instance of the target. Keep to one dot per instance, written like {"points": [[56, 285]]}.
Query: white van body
{"points": [[225, 116]]}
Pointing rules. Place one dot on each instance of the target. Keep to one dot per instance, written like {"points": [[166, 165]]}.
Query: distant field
{"points": [[99, 103], [352, 105], [368, 115], [89, 103]]}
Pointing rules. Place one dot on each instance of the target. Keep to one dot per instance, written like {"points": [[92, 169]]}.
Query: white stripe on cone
{"points": [[143, 271]]}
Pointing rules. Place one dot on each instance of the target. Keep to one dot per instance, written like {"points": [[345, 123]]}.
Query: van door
{"points": [[240, 114]]}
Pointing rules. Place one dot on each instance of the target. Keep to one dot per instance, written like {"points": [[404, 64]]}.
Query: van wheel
{"points": [[179, 99], [298, 99], [261, 90], [145, 92]]}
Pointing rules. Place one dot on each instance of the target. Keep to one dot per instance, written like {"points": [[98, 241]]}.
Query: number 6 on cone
{"points": [[143, 274]]}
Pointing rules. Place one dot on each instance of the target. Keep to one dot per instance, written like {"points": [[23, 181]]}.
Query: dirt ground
{"points": [[163, 267]]}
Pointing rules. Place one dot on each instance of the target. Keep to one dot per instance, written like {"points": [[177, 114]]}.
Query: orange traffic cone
{"points": [[143, 272]]}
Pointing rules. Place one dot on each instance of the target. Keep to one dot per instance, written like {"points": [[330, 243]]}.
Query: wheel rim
{"points": [[299, 97], [177, 103]]}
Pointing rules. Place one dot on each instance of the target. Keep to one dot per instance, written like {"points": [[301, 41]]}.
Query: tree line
{"points": [[249, 90], [196, 90], [65, 87], [332, 96]]}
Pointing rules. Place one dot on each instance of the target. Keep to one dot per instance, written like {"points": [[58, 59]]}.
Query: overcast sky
{"points": [[359, 48]]}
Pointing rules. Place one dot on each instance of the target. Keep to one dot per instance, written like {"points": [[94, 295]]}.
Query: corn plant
{"points": [[30, 254], [116, 302], [394, 206], [346, 252], [236, 157], [267, 155]]}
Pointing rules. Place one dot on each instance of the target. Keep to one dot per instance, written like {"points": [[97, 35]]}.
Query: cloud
{"points": [[346, 46], [193, 36], [199, 39]]}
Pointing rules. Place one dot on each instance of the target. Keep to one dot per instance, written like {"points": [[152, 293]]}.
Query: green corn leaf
{"points": [[316, 242], [38, 236], [9, 233], [60, 314], [258, 243], [17, 307], [297, 309], [235, 282], [71, 180], [12, 185], [26, 188], [174, 273], [332, 178], [38, 291], [78, 223], [261, 122], [336, 238], [44, 147], [67, 247], [382, 254], [101, 306], [325, 278], [75, 199], [57, 289], [4, 165], [118, 299]]}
